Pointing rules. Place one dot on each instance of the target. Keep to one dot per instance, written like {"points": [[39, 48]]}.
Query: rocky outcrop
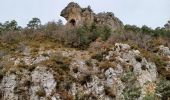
{"points": [[121, 73], [77, 16], [25, 85], [108, 19], [165, 52]]}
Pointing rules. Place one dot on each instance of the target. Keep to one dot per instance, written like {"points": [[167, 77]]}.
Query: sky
{"points": [[153, 13]]}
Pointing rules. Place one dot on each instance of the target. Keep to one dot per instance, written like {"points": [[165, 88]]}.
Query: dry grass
{"points": [[107, 64]]}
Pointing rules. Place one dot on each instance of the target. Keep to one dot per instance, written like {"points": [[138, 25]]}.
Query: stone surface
{"points": [[87, 79], [108, 19], [164, 50], [77, 16], [42, 80], [7, 87]]}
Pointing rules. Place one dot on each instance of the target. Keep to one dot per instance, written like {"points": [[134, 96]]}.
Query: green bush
{"points": [[81, 37], [103, 32], [163, 88], [150, 97], [132, 93], [146, 30], [131, 28]]}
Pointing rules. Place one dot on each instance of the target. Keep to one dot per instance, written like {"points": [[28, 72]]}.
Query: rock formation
{"points": [[46, 69], [77, 16], [167, 26], [108, 19], [34, 77]]}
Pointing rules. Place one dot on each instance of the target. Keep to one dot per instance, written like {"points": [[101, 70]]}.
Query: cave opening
{"points": [[73, 22]]}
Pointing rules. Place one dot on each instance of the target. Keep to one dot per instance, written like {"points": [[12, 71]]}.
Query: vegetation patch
{"points": [[163, 89]]}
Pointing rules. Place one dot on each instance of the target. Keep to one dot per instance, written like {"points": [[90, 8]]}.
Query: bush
{"points": [[132, 28], [103, 32], [62, 62], [150, 97], [107, 64], [11, 37], [146, 30], [81, 37], [163, 88], [99, 56], [132, 93]]}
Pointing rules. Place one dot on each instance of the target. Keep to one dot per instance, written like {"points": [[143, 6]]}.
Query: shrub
{"points": [[81, 37], [160, 63], [132, 28], [98, 56], [41, 92], [132, 93], [146, 30], [85, 79], [107, 64], [89, 62], [66, 96], [10, 37], [150, 97], [63, 62], [163, 88], [102, 31], [127, 76], [110, 92], [132, 90]]}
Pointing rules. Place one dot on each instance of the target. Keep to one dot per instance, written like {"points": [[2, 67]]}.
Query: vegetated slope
{"points": [[47, 70], [86, 62]]}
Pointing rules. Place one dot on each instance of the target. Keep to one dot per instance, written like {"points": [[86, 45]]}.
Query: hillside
{"points": [[92, 57]]}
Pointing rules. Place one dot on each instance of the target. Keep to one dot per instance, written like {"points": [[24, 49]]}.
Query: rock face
{"points": [[165, 51], [108, 19], [77, 16], [25, 85], [125, 75]]}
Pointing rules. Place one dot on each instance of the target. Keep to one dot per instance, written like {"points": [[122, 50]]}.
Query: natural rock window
{"points": [[73, 22]]}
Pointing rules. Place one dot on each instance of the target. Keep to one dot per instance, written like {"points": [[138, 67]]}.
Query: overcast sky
{"points": [[152, 13]]}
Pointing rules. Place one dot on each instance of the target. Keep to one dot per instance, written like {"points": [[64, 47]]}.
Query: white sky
{"points": [[152, 13]]}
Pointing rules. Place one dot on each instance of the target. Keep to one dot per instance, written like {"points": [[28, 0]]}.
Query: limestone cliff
{"points": [[77, 16], [121, 73]]}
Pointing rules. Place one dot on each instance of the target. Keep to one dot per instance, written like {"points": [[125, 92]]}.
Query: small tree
{"points": [[9, 26], [147, 30], [13, 25], [35, 23]]}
